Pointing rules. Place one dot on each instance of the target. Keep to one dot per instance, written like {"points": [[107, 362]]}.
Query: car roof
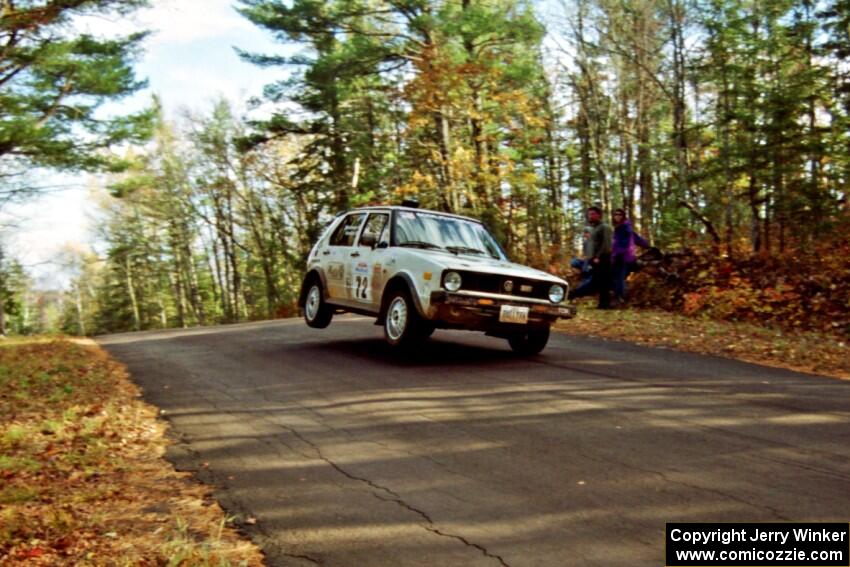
{"points": [[412, 210]]}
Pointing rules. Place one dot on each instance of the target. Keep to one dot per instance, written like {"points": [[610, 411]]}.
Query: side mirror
{"points": [[383, 244], [368, 239]]}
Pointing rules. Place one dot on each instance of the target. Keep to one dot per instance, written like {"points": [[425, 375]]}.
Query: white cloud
{"points": [[174, 22], [184, 21]]}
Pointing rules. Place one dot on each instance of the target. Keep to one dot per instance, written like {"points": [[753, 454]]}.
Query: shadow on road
{"points": [[463, 453], [433, 352]]}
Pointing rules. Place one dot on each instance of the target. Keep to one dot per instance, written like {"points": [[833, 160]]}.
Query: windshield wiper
{"points": [[464, 249], [420, 244]]}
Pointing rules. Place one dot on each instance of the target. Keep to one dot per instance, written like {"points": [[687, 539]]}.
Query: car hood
{"points": [[484, 265]]}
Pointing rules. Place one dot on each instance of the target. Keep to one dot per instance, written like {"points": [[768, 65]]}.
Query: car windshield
{"points": [[425, 230]]}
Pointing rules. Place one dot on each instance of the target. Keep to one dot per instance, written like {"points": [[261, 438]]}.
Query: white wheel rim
{"points": [[314, 300], [397, 318]]}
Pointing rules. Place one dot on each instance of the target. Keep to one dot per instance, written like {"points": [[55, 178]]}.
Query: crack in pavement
{"points": [[661, 474], [735, 397], [430, 526], [470, 544], [322, 419], [394, 496], [760, 506], [183, 442], [268, 544], [304, 557], [396, 499], [277, 550], [666, 478]]}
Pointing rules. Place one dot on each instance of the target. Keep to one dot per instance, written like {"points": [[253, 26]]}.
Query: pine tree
{"points": [[53, 81]]}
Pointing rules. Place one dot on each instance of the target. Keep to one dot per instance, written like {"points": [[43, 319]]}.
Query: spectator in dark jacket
{"points": [[599, 259], [583, 264], [623, 252]]}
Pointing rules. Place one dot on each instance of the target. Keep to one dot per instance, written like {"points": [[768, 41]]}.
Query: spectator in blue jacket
{"points": [[623, 253]]}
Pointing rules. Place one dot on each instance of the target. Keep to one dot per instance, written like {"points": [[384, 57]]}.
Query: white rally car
{"points": [[418, 270]]}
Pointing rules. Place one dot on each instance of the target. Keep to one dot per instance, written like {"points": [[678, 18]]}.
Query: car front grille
{"points": [[494, 283]]}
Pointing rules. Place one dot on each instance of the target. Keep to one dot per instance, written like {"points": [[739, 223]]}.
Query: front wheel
{"points": [[317, 313], [530, 341], [403, 326]]}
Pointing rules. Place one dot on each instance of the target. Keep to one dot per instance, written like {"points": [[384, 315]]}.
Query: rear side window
{"points": [[346, 232], [376, 225]]}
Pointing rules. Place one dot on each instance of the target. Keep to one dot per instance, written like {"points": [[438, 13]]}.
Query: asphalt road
{"points": [[465, 455]]}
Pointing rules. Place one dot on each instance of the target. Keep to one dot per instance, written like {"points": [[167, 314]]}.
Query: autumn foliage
{"points": [[806, 290], [82, 480]]}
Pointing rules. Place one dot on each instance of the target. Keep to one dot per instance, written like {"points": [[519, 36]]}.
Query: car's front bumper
{"points": [[480, 310]]}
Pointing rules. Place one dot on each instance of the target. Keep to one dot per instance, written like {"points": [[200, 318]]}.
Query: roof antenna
{"points": [[411, 202]]}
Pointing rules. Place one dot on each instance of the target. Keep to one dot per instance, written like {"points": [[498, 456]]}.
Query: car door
{"points": [[367, 260], [338, 253]]}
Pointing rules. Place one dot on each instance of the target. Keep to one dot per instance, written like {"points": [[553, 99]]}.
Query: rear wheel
{"points": [[530, 341], [403, 326], [317, 313]]}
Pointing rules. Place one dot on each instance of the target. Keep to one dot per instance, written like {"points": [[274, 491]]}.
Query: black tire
{"points": [[317, 313], [403, 327], [530, 341]]}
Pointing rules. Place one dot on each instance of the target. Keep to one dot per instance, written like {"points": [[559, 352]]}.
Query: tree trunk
{"points": [[220, 278], [679, 108], [450, 201], [163, 314], [725, 111], [2, 295], [755, 220], [647, 188], [476, 129], [555, 209], [184, 263], [338, 173], [131, 292], [706, 222], [81, 324]]}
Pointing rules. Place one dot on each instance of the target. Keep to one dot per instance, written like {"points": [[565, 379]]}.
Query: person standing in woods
{"points": [[599, 257], [623, 255], [583, 264]]}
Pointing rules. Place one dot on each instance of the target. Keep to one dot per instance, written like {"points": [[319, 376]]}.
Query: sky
{"points": [[189, 62]]}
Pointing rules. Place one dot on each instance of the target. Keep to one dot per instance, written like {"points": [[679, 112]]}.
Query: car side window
{"points": [[346, 232], [385, 233], [376, 224]]}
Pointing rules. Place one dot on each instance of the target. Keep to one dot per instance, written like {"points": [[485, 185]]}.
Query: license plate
{"points": [[513, 314]]}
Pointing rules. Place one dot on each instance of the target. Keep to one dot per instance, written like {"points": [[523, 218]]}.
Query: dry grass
{"points": [[82, 478], [802, 351]]}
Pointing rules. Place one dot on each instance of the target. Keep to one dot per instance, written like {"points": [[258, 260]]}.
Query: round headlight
{"points": [[556, 293], [452, 281]]}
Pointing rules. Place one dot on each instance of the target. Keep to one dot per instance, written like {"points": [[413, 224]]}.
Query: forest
{"points": [[721, 126]]}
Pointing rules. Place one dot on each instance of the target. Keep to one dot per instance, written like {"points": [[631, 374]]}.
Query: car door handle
{"points": [[355, 254], [326, 252]]}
